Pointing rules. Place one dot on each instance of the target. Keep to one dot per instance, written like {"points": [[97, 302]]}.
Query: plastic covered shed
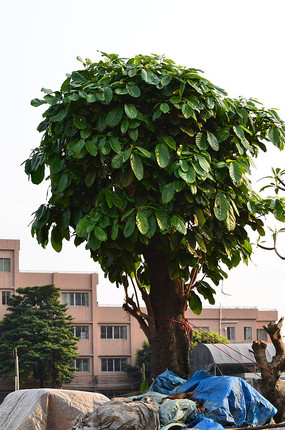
{"points": [[219, 359]]}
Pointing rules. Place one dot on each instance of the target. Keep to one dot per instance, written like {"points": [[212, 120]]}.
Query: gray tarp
{"points": [[121, 414], [46, 409]]}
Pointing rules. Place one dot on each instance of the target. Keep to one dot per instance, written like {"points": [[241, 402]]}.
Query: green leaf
{"points": [[114, 116], [115, 230], [179, 224], [169, 141], [100, 233], [188, 130], [230, 219], [37, 102], [201, 141], [91, 146], [131, 111], [210, 103], [127, 214], [162, 155], [212, 140], [121, 91], [166, 80], [108, 94], [115, 144], [203, 162], [144, 151], [162, 220], [144, 387], [207, 293], [194, 103], [137, 166], [79, 121], [149, 77], [81, 227], [63, 182], [93, 241], [186, 110], [236, 172], [133, 90], [60, 116], [129, 227], [117, 161], [189, 176], [200, 216], [124, 126], [223, 135], [134, 134], [274, 136], [84, 134], [126, 177], [37, 176], [80, 149], [168, 193], [127, 154], [90, 178], [195, 303], [142, 221], [239, 132], [164, 107], [56, 239], [221, 206]]}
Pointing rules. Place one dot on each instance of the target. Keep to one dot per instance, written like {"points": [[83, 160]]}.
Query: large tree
{"points": [[39, 327], [147, 163]]}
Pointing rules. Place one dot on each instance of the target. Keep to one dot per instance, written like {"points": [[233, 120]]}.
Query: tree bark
{"points": [[167, 337], [269, 385]]}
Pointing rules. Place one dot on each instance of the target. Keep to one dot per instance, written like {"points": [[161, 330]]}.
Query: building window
{"points": [[5, 297], [113, 332], [113, 364], [207, 329], [82, 365], [5, 265], [75, 299], [247, 333], [261, 334], [231, 333], [81, 331]]}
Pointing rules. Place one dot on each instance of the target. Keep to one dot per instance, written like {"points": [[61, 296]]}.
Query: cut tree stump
{"points": [[269, 384]]}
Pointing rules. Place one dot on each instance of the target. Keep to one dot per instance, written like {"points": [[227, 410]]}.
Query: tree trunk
{"points": [[271, 371], [167, 337]]}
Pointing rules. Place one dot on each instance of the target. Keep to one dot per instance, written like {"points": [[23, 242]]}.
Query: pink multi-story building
{"points": [[108, 335]]}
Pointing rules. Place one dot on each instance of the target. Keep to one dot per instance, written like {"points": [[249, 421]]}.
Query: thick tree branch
{"points": [[274, 332], [131, 307], [189, 286]]}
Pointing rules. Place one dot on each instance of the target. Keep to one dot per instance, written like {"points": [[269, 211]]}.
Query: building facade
{"points": [[108, 336]]}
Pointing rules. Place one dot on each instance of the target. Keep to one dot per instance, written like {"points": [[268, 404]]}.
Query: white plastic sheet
{"points": [[46, 409]]}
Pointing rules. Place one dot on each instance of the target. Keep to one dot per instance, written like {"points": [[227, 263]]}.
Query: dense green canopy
{"points": [[38, 326], [143, 151]]}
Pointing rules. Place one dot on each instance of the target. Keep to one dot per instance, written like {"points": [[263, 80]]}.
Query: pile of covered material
{"points": [[203, 402], [46, 409]]}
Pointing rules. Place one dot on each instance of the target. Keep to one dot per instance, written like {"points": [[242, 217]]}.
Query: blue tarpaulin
{"points": [[229, 401], [203, 423], [166, 382]]}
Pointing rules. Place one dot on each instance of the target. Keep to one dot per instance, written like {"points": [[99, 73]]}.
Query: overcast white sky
{"points": [[238, 44]]}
